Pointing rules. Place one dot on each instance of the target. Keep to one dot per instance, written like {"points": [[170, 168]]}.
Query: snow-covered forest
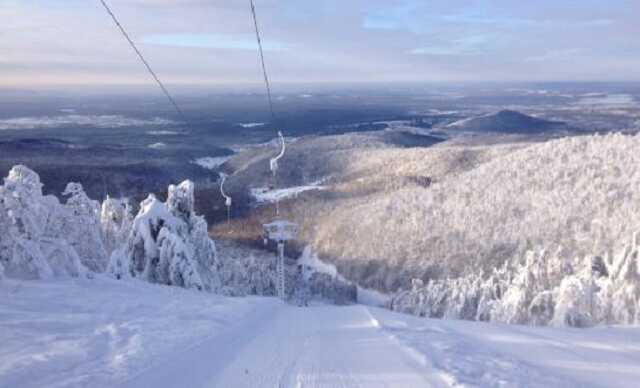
{"points": [[548, 235], [165, 243], [538, 234], [541, 288]]}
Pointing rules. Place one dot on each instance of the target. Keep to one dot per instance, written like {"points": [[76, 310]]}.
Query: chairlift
{"points": [[281, 231], [227, 198], [273, 163]]}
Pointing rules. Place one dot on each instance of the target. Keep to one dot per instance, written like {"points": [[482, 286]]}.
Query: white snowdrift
{"points": [[311, 260], [476, 354], [211, 162], [264, 195], [157, 146], [103, 332], [251, 125]]}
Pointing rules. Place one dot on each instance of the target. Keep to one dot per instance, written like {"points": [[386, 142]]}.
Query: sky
{"points": [[203, 42]]}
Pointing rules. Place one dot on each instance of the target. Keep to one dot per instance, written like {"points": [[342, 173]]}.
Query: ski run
{"points": [[102, 332]]}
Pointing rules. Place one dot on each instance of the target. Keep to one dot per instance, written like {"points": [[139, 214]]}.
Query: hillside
{"points": [[506, 122], [451, 209]]}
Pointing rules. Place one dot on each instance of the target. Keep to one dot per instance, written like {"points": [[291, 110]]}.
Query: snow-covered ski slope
{"points": [[106, 333]]}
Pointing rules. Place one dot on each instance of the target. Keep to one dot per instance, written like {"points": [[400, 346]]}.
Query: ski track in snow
{"points": [[320, 346], [106, 333], [477, 354]]}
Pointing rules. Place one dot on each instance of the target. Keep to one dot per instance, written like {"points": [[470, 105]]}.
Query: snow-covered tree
{"points": [[116, 221], [169, 244], [32, 243], [81, 224], [540, 289], [166, 243]]}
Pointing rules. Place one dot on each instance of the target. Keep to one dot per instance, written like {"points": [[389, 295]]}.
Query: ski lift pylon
{"points": [[280, 231]]}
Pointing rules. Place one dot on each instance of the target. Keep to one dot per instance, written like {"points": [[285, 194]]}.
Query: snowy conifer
{"points": [[82, 227], [169, 244], [116, 221], [32, 244]]}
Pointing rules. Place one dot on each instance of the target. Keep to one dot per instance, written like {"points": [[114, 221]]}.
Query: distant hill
{"points": [[507, 121]]}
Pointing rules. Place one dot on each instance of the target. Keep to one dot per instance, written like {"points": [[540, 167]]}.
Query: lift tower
{"points": [[281, 231]]}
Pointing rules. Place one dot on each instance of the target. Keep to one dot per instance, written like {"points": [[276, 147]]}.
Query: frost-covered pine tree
{"points": [[82, 227], [165, 243], [32, 244], [541, 289], [116, 221], [181, 203], [169, 244]]}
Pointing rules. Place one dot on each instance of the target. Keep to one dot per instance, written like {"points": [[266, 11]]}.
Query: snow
{"points": [[311, 260], [463, 122], [108, 333], [97, 121], [38, 234], [487, 205], [166, 243], [251, 125], [162, 133], [545, 288], [372, 297], [492, 355], [102, 332], [169, 244], [321, 346], [267, 195], [607, 99], [406, 127], [211, 162], [581, 269], [157, 146]]}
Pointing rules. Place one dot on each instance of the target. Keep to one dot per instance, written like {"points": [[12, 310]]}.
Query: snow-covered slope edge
{"points": [[103, 332], [478, 354]]}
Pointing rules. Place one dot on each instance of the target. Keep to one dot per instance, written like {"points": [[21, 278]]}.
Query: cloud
{"points": [[469, 45], [73, 42], [557, 55], [215, 41]]}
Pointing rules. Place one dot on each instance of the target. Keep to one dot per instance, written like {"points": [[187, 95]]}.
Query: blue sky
{"points": [[48, 42]]}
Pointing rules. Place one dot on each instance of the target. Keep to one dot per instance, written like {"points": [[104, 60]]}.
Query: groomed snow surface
{"points": [[263, 195], [106, 333]]}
